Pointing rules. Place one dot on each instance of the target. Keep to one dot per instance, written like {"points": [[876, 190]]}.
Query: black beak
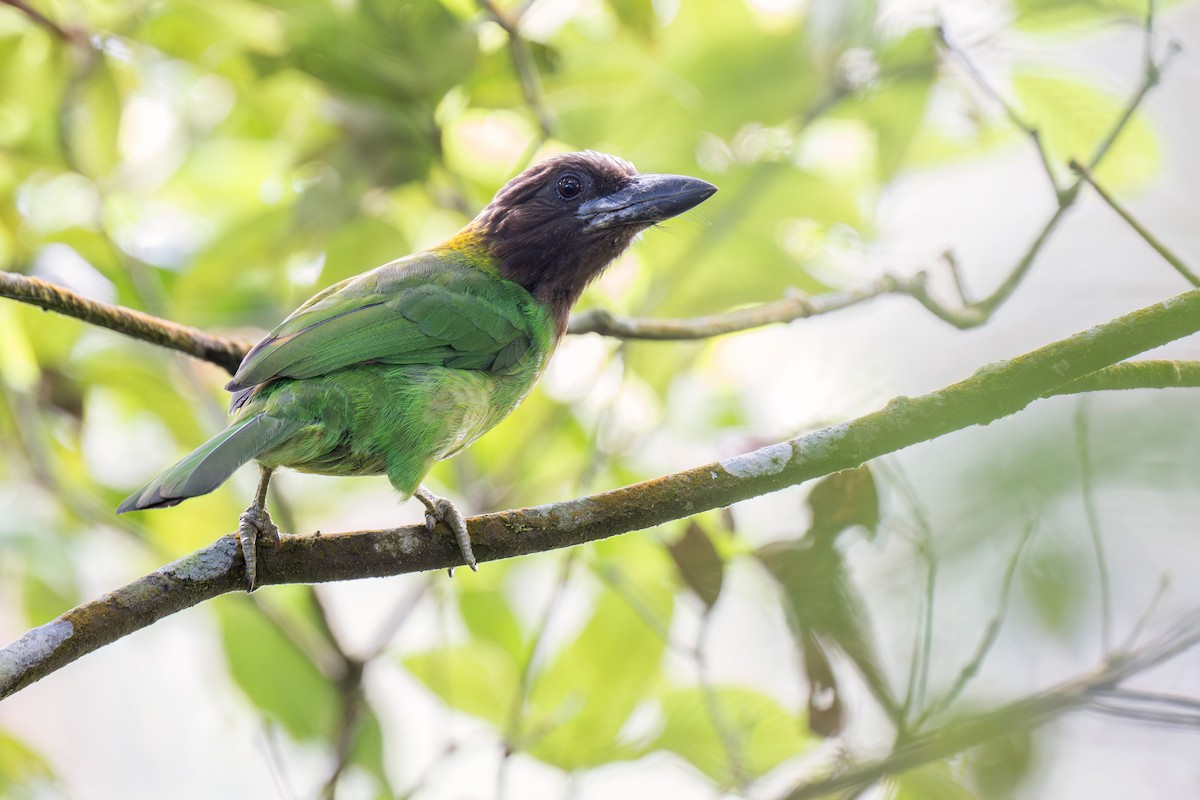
{"points": [[645, 200]]}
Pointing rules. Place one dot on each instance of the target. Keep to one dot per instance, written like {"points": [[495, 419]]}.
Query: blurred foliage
{"points": [[218, 162]]}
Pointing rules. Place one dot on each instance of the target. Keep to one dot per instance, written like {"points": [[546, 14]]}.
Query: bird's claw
{"points": [[254, 523], [440, 509]]}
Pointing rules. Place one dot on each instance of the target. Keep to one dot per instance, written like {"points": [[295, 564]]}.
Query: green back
{"points": [[436, 308]]}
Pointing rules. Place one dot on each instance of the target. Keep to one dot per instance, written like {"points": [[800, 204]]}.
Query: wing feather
{"points": [[430, 308]]}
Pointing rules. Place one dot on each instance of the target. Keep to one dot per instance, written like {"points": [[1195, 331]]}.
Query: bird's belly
{"points": [[398, 420]]}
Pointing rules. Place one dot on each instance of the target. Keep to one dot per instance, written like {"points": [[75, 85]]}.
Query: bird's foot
{"points": [[439, 509], [255, 522]]}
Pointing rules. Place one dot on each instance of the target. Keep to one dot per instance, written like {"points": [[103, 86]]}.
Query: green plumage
{"points": [[395, 369], [388, 372]]}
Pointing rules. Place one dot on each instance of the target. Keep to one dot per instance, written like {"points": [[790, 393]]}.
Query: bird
{"points": [[391, 371]]}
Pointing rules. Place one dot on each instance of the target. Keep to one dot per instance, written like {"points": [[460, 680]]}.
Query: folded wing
{"points": [[430, 308]]}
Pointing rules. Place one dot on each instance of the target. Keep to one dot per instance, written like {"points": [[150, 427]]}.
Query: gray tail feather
{"points": [[212, 463]]}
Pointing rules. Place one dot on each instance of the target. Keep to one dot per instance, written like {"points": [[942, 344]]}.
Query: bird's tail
{"points": [[211, 463]]}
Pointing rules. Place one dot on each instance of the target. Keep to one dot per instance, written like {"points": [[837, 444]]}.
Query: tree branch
{"points": [[1149, 374], [976, 313], [72, 36], [1149, 238], [1024, 714], [795, 306], [994, 391], [227, 353], [1013, 115]]}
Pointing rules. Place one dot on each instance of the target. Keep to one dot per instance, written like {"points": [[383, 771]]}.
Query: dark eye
{"points": [[569, 186]]}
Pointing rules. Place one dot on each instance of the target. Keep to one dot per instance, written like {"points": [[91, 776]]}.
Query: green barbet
{"points": [[393, 370]]}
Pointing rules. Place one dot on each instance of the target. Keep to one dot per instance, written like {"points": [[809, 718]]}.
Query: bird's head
{"points": [[558, 224]]}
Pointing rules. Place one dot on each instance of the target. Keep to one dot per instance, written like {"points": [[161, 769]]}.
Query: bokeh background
{"points": [[217, 162]]}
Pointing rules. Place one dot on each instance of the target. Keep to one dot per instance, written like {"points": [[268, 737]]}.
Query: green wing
{"points": [[429, 308]]}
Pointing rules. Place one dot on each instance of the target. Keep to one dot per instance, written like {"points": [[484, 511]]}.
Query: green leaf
{"points": [[929, 782], [740, 58], [489, 616], [230, 174], [1074, 118], [699, 563], [217, 35], [21, 769], [635, 16], [367, 749], [754, 732], [47, 596], [1054, 586], [92, 120], [33, 67], [766, 198], [582, 700], [479, 678], [1000, 765], [359, 246], [98, 250], [1052, 16], [895, 110], [274, 673], [842, 500]]}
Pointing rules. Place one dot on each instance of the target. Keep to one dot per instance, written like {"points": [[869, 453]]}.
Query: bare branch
{"points": [[1024, 714], [513, 740], [1083, 448], [71, 36], [1009, 111], [994, 391], [990, 634], [1149, 238], [1152, 74], [791, 308], [227, 353], [1149, 374]]}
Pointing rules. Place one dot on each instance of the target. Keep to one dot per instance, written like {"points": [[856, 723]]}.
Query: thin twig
{"points": [[1149, 238], [275, 763], [71, 36], [1083, 447], [918, 671], [956, 274], [1147, 374], [994, 391], [227, 353], [350, 694], [789, 309], [725, 732], [1135, 633], [1013, 115], [517, 711], [1024, 714], [1152, 716], [990, 634], [1152, 74], [1154, 698]]}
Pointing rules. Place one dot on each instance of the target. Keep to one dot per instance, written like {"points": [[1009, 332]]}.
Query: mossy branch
{"points": [[993, 392], [224, 352]]}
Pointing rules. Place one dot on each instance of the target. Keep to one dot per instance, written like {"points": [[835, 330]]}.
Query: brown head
{"points": [[556, 226]]}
